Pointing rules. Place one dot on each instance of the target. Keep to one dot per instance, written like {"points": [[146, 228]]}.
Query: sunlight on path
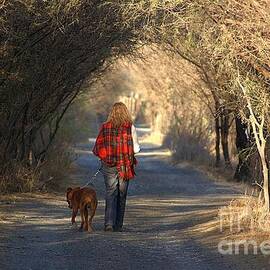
{"points": [[170, 222]]}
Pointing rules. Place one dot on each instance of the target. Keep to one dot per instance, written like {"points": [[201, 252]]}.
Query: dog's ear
{"points": [[69, 189]]}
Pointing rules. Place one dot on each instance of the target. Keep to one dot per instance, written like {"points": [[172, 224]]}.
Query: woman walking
{"points": [[116, 145]]}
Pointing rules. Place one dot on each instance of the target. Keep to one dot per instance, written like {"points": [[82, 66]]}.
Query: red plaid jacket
{"points": [[114, 146]]}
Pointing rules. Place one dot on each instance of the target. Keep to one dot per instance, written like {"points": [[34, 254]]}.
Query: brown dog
{"points": [[83, 199]]}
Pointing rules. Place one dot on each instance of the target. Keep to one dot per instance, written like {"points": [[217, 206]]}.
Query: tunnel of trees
{"points": [[53, 51]]}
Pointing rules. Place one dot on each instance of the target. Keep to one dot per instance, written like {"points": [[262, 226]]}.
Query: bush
{"points": [[246, 215], [57, 167], [18, 178]]}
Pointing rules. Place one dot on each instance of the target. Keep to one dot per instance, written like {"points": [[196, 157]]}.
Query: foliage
{"points": [[48, 50]]}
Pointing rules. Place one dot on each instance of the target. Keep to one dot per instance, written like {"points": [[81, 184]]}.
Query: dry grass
{"points": [[246, 215], [57, 168], [47, 176], [18, 179]]}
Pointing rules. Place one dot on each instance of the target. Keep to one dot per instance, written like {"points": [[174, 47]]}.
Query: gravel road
{"points": [[169, 210]]}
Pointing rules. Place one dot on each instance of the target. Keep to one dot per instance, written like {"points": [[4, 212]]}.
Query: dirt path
{"points": [[170, 224]]}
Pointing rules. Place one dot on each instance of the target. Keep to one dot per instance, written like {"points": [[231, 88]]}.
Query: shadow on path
{"points": [[165, 203]]}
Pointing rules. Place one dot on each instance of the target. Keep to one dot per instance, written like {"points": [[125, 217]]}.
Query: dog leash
{"points": [[93, 177]]}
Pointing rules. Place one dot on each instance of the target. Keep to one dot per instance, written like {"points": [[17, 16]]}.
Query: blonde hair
{"points": [[119, 115]]}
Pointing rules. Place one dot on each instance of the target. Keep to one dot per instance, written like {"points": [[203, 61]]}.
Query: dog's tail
{"points": [[86, 211], [90, 208]]}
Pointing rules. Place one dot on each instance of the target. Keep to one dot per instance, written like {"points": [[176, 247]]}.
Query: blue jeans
{"points": [[116, 194]]}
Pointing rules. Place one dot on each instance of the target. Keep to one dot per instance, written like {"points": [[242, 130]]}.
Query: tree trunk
{"points": [[224, 129], [261, 145], [217, 149], [265, 178], [258, 125], [242, 172]]}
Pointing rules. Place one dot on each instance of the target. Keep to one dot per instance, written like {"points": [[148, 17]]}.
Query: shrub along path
{"points": [[170, 224]]}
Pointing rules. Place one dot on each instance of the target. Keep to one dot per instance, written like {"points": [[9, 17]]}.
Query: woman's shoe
{"points": [[108, 228], [118, 229]]}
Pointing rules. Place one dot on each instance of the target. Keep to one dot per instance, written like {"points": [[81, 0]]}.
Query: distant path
{"points": [[166, 225]]}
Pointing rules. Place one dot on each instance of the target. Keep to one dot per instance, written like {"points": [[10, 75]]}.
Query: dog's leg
{"points": [[74, 214], [86, 222], [82, 218], [92, 213]]}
